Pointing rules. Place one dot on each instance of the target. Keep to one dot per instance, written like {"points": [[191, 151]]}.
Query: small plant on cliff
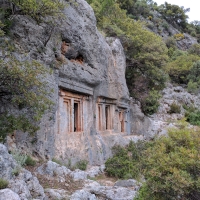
{"points": [[3, 183], [19, 157], [174, 108], [82, 165], [30, 161]]}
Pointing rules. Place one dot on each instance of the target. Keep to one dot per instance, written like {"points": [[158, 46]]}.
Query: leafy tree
{"points": [[37, 9], [23, 95], [174, 14], [179, 68], [1, 31], [195, 49]]}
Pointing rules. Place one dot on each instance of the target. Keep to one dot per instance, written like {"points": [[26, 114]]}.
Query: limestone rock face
{"points": [[92, 110], [7, 164], [8, 194], [162, 120]]}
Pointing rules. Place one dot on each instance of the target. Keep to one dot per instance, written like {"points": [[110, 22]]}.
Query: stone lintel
{"points": [[75, 86], [123, 105], [106, 100]]}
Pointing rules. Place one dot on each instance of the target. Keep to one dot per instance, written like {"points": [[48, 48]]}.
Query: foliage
{"points": [[125, 162], [179, 68], [192, 115], [23, 94], [172, 166], [30, 161], [174, 108], [82, 165], [16, 171], [38, 9], [146, 53], [1, 28], [3, 183], [174, 14], [19, 157], [194, 74], [179, 36], [151, 103], [193, 87], [195, 49]]}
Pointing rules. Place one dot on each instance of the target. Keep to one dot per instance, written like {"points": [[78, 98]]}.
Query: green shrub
{"points": [[30, 161], [174, 108], [126, 162], [3, 183], [180, 66], [172, 167], [151, 103], [19, 157], [192, 87], [82, 165], [16, 171], [194, 74], [192, 115]]}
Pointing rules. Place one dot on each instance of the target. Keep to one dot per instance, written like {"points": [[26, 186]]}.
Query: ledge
{"points": [[75, 86]]}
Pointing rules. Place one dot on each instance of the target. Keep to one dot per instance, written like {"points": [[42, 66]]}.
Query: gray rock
{"points": [[94, 171], [51, 168], [56, 194], [113, 193], [83, 195], [27, 186], [7, 163], [128, 183], [78, 175], [7, 194]]}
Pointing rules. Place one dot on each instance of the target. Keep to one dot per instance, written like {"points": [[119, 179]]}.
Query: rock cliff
{"points": [[92, 110]]}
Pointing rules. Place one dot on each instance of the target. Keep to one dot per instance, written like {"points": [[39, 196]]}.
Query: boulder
{"points": [[7, 194]]}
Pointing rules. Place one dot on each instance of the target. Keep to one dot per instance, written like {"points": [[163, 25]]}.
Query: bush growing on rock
{"points": [[179, 68], [3, 183], [174, 108], [30, 161], [82, 164]]}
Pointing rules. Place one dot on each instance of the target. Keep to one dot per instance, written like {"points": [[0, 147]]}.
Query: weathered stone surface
{"points": [[56, 194], [7, 164], [128, 183], [7, 194], [113, 193], [27, 186], [51, 168], [78, 175], [95, 170], [83, 195]]}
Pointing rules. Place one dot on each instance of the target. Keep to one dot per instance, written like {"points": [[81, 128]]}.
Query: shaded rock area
{"points": [[52, 181]]}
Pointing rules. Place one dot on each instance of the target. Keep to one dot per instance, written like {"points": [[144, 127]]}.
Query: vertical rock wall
{"points": [[92, 110]]}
